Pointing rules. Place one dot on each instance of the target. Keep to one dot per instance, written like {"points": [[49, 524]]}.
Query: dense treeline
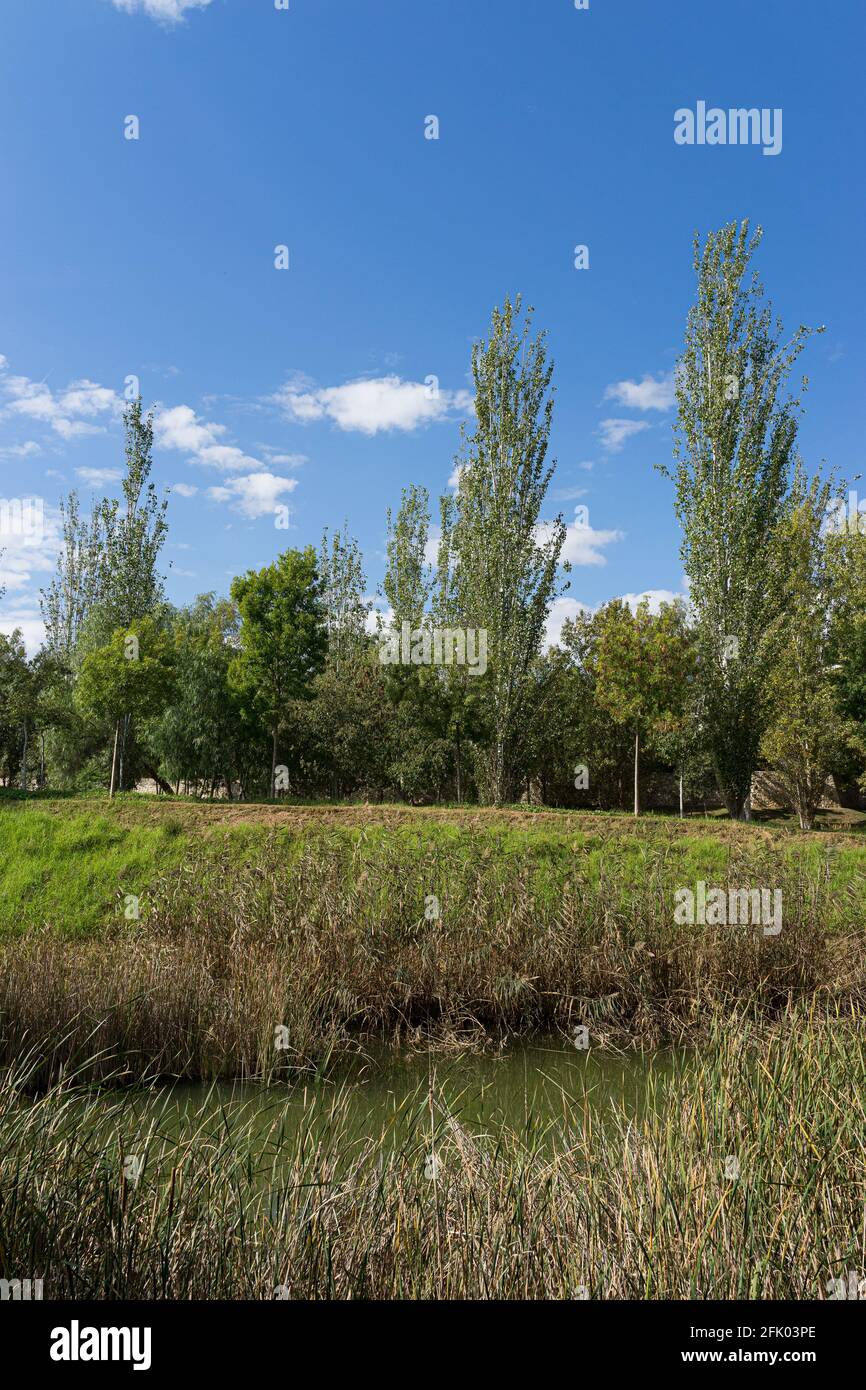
{"points": [[294, 684]]}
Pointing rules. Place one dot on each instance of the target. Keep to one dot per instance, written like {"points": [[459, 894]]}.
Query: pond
{"points": [[533, 1090]]}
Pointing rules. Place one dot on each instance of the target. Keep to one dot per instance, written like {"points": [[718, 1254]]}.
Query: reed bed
{"points": [[742, 1176], [334, 941]]}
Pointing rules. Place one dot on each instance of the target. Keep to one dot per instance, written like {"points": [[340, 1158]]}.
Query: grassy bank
{"points": [[341, 926], [743, 1178]]}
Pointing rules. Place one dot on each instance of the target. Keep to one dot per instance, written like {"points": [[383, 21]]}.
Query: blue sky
{"points": [[305, 128]]}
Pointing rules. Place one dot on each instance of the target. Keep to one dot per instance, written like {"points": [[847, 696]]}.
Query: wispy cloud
{"points": [[69, 413], [614, 433], [568, 494], [168, 12], [371, 405], [99, 477], [583, 544], [29, 553], [20, 451]]}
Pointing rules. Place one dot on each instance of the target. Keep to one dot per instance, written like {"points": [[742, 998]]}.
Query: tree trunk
{"points": [[24, 763], [681, 794], [122, 752], [458, 768], [114, 761], [637, 772], [41, 762], [274, 764], [160, 782]]}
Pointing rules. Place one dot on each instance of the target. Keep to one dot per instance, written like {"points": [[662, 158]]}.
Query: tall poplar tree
{"points": [[735, 445], [500, 559], [75, 588]]}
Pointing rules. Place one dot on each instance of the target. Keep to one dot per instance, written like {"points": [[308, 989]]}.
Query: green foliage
{"points": [[498, 565], [734, 450], [131, 675], [805, 738], [773, 643], [642, 663], [282, 639]]}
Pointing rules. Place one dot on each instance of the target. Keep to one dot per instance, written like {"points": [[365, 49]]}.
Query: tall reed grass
{"points": [[336, 942], [599, 1204]]}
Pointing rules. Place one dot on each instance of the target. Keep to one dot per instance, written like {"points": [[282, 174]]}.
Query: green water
{"points": [[533, 1090]]}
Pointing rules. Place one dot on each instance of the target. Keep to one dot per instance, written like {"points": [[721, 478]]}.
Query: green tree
{"points": [[132, 673], [497, 558], [408, 579], [641, 663], [201, 737], [806, 736], [734, 448], [133, 533], [16, 706], [282, 640], [344, 603], [75, 588], [845, 542]]}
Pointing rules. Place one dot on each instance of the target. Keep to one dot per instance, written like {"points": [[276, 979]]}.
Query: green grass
{"points": [[70, 871], [67, 865]]}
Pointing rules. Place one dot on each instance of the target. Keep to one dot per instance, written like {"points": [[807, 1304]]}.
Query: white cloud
{"points": [[561, 609], [178, 427], [377, 615], [614, 433], [184, 489], [431, 546], [20, 451], [656, 598], [29, 552], [568, 494], [255, 495], [283, 460], [35, 401], [371, 405], [583, 545], [650, 393], [165, 11], [29, 622], [87, 398], [99, 477]]}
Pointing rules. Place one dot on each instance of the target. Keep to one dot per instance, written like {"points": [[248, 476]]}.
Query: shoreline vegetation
{"points": [[720, 1187], [178, 947], [740, 1175]]}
